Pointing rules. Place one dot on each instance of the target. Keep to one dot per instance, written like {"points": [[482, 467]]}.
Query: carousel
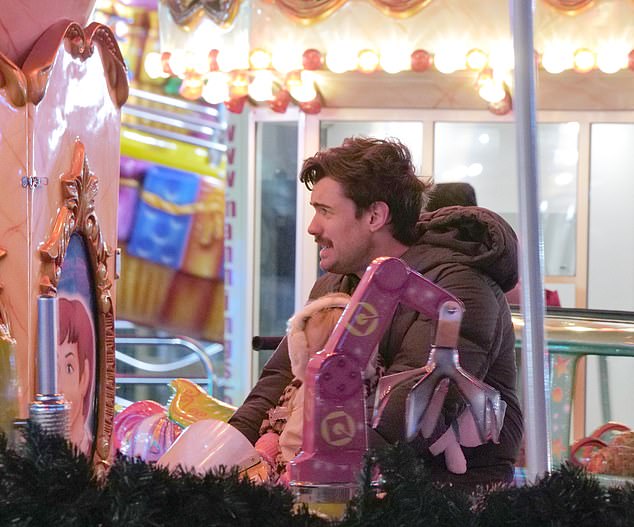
{"points": [[108, 217]]}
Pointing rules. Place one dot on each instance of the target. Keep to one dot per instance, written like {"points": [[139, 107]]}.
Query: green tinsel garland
{"points": [[46, 482]]}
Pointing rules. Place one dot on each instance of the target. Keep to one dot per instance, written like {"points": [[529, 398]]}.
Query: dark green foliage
{"points": [[46, 482], [49, 483], [140, 494], [620, 507], [565, 497], [407, 495]]}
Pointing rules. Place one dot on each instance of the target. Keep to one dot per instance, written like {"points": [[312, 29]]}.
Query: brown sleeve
{"points": [[265, 394], [275, 376]]}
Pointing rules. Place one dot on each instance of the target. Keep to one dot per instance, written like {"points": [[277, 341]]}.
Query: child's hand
{"points": [[268, 447]]}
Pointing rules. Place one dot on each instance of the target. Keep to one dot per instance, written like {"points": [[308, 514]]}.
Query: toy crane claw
{"points": [[334, 430], [426, 398]]}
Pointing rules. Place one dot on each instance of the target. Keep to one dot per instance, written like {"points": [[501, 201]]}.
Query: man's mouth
{"points": [[323, 245]]}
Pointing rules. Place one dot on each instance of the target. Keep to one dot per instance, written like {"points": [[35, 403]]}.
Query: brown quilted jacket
{"points": [[472, 253]]}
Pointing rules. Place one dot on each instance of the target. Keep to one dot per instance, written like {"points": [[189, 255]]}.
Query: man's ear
{"points": [[379, 215]]}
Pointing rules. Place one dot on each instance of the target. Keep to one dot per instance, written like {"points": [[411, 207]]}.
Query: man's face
{"points": [[344, 240]]}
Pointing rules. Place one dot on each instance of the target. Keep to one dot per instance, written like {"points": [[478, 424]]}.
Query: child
{"points": [[308, 331], [75, 365]]}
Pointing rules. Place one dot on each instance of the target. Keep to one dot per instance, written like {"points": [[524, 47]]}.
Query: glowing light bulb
{"points": [[477, 59], [231, 58], [556, 59], [191, 88], [340, 60], [394, 60], [501, 57], [216, 89], [368, 61], [199, 62], [121, 29], [584, 60], [153, 65], [260, 59], [261, 87], [177, 63], [612, 57], [491, 90], [449, 59], [286, 58], [293, 78], [304, 90], [239, 84]]}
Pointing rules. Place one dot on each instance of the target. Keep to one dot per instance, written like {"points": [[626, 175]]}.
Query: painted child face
{"points": [[72, 384]]}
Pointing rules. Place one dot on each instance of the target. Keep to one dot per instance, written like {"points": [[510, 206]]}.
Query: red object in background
{"points": [[236, 105], [213, 60], [592, 452], [312, 59], [280, 103], [165, 61], [311, 107], [421, 60], [502, 107], [551, 297]]}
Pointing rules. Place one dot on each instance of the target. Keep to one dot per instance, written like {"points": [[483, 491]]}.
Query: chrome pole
{"points": [[534, 350]]}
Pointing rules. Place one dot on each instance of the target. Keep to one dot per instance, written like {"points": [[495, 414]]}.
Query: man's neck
{"points": [[393, 248]]}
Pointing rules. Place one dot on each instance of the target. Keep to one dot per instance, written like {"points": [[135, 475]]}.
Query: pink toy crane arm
{"points": [[387, 283], [334, 431]]}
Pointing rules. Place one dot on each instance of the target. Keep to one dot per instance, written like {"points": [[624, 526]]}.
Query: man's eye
{"points": [[69, 368]]}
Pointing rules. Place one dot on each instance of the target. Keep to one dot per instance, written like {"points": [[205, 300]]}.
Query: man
{"points": [[367, 201]]}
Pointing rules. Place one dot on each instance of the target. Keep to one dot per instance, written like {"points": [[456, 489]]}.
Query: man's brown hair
{"points": [[372, 170]]}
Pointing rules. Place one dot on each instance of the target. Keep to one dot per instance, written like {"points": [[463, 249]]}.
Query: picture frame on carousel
{"points": [[75, 270]]}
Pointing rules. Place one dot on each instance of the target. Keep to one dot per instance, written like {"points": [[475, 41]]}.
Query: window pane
{"points": [[483, 154], [276, 186], [409, 133], [611, 239]]}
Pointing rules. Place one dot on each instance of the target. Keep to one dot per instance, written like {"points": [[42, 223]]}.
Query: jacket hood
{"points": [[471, 236]]}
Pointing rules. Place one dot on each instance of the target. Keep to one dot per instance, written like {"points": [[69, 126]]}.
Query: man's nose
{"points": [[313, 227]]}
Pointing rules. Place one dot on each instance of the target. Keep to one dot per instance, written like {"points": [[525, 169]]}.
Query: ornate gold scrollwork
{"points": [[28, 84], [77, 216], [12, 78], [189, 12], [308, 13], [5, 327], [571, 7]]}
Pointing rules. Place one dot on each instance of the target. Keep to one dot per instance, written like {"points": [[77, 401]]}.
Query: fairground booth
{"points": [[153, 234]]}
